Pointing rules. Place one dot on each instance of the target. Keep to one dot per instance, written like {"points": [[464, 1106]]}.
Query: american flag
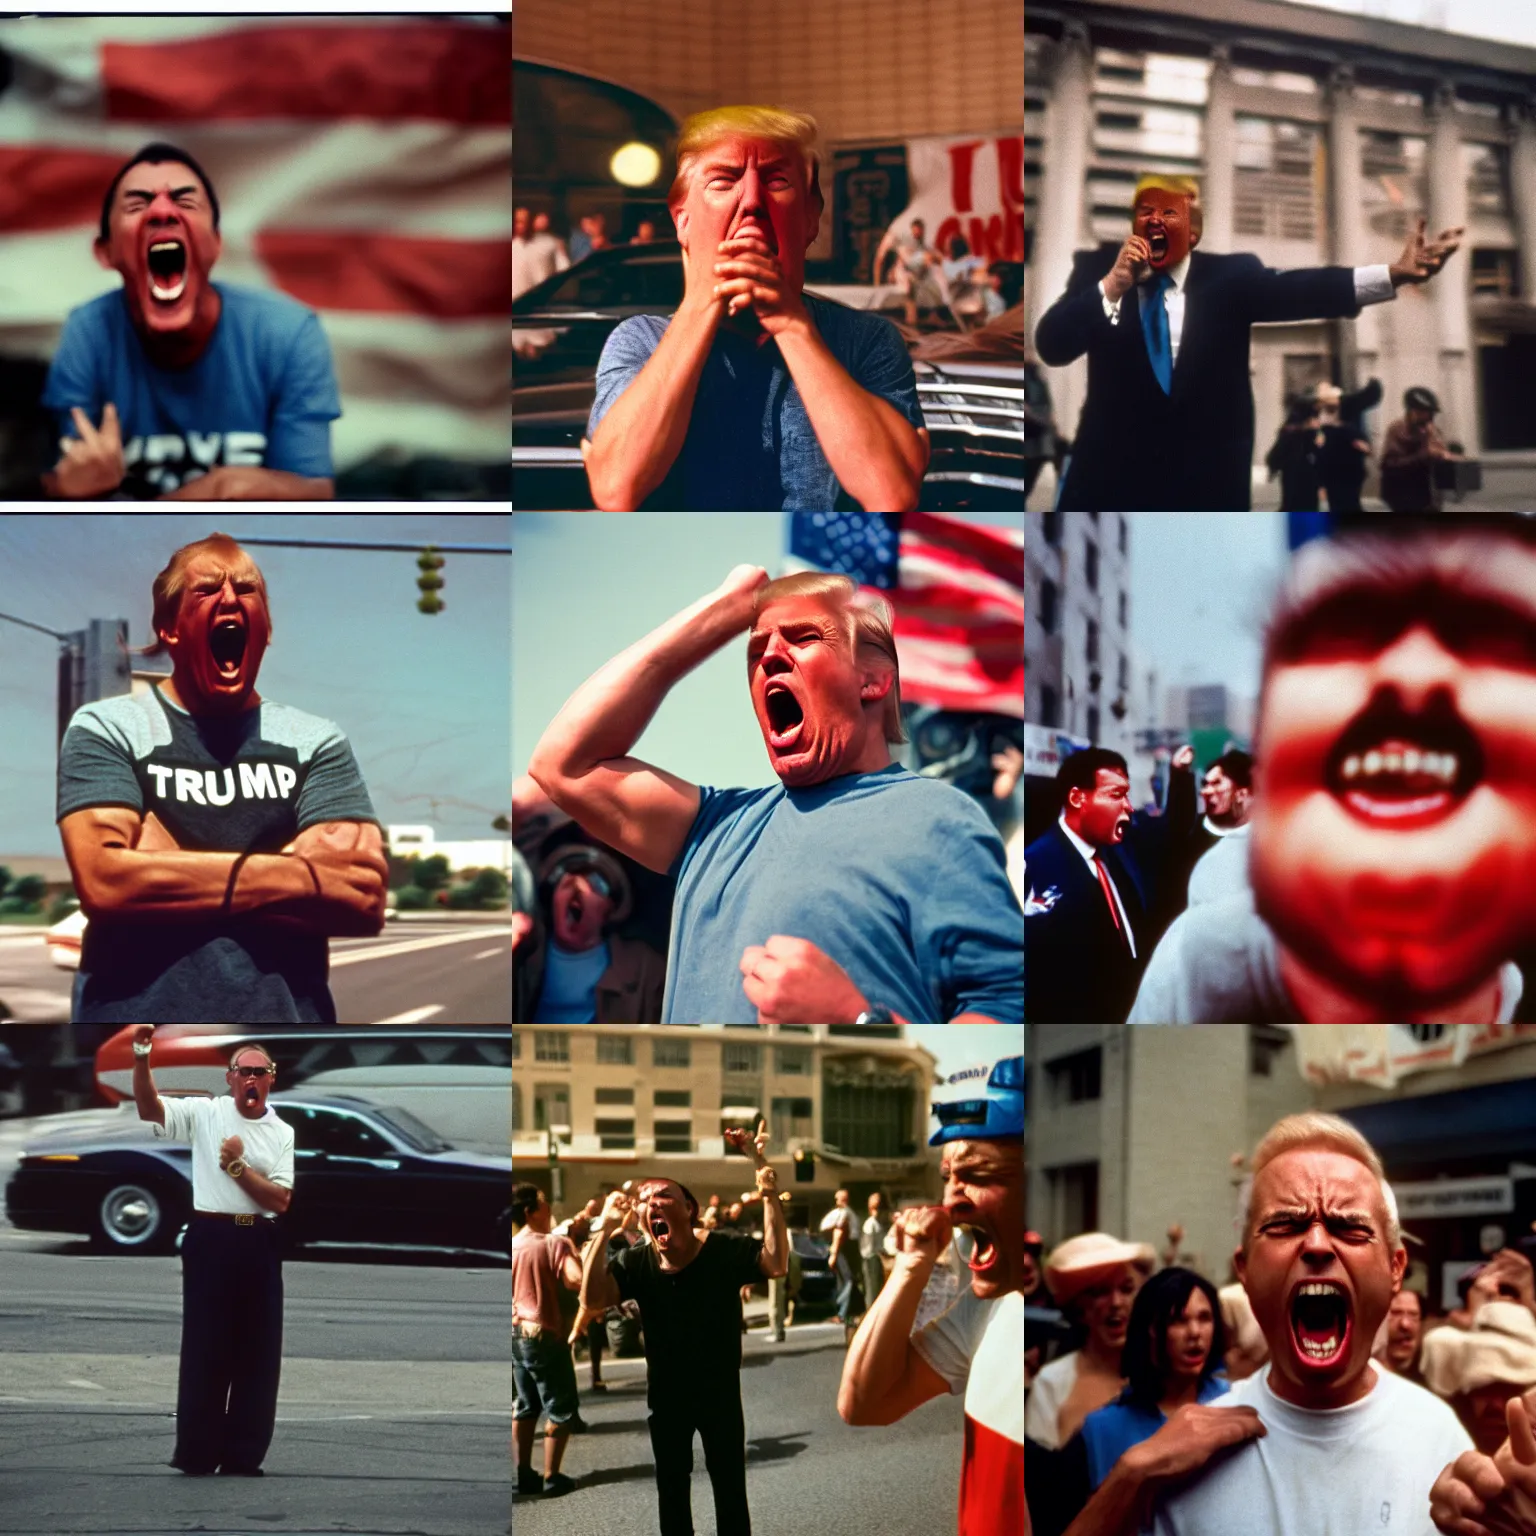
{"points": [[362, 164], [957, 589]]}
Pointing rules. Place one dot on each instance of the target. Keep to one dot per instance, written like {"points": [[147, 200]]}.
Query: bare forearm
{"points": [[877, 1358], [145, 1097], [605, 717], [191, 887], [875, 453], [639, 439], [249, 482], [775, 1237], [1116, 1506], [598, 1291], [266, 1194]]}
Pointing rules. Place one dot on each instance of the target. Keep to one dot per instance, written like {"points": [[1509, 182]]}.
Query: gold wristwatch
{"points": [[236, 1168]]}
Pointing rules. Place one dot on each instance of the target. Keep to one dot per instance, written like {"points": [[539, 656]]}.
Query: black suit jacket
{"points": [[1191, 449], [1077, 967]]}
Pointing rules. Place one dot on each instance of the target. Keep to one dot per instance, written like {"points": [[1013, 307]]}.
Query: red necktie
{"points": [[1109, 896]]}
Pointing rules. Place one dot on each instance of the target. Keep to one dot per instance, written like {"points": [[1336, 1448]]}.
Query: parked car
{"points": [[64, 939], [973, 405], [363, 1174], [818, 1285]]}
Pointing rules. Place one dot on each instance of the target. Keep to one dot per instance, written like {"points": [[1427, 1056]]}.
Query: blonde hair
{"points": [[1184, 186], [250, 1045], [1327, 1133], [775, 124], [172, 582], [869, 623]]}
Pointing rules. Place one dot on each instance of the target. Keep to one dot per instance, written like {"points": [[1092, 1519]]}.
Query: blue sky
{"points": [[1509, 21], [423, 699], [965, 1045], [586, 586]]}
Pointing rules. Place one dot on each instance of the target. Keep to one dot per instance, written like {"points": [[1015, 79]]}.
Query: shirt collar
{"points": [[1088, 851], [1215, 831]]}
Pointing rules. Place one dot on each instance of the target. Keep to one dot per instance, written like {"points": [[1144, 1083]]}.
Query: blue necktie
{"points": [[1154, 326]]}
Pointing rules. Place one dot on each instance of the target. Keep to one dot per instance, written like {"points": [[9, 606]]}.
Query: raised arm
{"points": [[581, 760], [599, 1290], [145, 1096], [774, 1260]]}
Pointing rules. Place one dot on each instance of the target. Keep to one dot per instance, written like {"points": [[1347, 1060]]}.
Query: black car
{"points": [[363, 1173], [974, 410], [818, 1285]]}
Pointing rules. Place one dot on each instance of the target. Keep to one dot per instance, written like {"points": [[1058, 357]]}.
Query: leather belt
{"points": [[240, 1218]]}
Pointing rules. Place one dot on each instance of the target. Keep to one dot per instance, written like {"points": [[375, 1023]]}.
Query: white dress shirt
{"points": [[1373, 285], [1090, 857], [207, 1124]]}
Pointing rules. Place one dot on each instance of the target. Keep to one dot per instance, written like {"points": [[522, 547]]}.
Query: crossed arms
{"points": [[329, 881]]}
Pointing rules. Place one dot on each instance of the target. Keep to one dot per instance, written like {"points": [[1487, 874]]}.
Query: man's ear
{"points": [[876, 684], [102, 252], [680, 220], [1240, 1266]]}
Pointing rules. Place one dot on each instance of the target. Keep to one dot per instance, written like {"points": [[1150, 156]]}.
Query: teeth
{"points": [[1321, 1288], [1351, 767], [1320, 1351], [166, 245], [1412, 759], [166, 295], [1372, 763]]}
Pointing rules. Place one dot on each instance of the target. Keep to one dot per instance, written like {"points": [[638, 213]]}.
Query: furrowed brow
{"points": [[149, 196]]}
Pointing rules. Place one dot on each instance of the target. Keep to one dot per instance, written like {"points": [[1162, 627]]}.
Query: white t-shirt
{"points": [[206, 1124], [1051, 1387], [1335, 1472]]}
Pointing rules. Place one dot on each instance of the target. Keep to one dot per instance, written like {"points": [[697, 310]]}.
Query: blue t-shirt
{"points": [[263, 393], [750, 445], [246, 785], [1109, 1432], [897, 878], [569, 992]]}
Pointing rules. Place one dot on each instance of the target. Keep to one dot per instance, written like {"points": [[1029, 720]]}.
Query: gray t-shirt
{"points": [[1219, 963], [750, 445], [1222, 870]]}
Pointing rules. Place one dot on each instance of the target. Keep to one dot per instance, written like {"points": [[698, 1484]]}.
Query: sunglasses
{"points": [[252, 1071]]}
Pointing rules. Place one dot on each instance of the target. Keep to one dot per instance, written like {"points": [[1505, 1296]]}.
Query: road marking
{"points": [[90, 1386], [409, 945], [486, 954], [414, 1015]]}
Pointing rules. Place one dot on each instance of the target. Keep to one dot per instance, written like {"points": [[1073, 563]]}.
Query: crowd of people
{"points": [[1394, 701], [1319, 1391], [928, 279]]}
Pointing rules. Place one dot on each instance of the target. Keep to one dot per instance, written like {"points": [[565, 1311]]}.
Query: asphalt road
{"points": [[808, 1473], [451, 973], [393, 1414]]}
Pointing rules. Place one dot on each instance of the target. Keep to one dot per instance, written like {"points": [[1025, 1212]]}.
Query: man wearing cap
{"points": [[1412, 448], [1478, 1369], [977, 1346], [1168, 421], [1320, 1442], [231, 1268]]}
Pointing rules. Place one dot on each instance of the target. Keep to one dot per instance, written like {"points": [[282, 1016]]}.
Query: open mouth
{"points": [[574, 907], [1406, 773], [659, 1228], [984, 1256], [227, 643], [251, 1094], [1157, 244], [1321, 1322], [785, 716], [167, 271]]}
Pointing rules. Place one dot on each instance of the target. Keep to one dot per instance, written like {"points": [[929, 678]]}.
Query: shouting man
{"points": [[1168, 421], [231, 1260], [1394, 835], [856, 891], [688, 1281], [216, 839], [179, 386], [754, 395], [1333, 1444], [977, 1346]]}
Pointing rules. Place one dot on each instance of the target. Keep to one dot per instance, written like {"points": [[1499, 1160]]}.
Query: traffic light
{"points": [[429, 582], [805, 1167]]}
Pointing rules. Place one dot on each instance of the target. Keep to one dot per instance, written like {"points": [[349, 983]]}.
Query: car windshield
{"points": [[409, 1129], [645, 279]]}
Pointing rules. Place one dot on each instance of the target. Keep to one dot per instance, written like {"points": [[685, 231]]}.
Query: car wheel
{"points": [[135, 1218]]}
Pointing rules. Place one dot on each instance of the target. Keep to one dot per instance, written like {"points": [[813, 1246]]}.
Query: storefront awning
{"points": [[1490, 1120]]}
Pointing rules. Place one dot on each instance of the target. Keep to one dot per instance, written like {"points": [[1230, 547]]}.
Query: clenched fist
{"points": [[791, 981], [229, 1149], [924, 1232], [1131, 266], [1191, 1437], [144, 1034]]}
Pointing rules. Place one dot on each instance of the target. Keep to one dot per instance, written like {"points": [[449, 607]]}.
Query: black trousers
{"points": [[231, 1344], [717, 1418]]}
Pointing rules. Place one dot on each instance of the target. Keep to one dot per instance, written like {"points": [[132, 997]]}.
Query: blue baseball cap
{"points": [[975, 1105]]}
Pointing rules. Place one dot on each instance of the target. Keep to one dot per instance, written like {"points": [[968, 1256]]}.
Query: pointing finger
{"points": [[110, 427], [83, 426]]}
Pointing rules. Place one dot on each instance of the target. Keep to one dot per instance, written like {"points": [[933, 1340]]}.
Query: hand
{"points": [[229, 1149], [1422, 258], [522, 926], [767, 1180], [748, 1144], [1184, 758], [349, 868], [1131, 266], [790, 981], [1192, 1435], [1479, 1495], [1008, 765], [924, 1232], [743, 581], [92, 463], [144, 1034], [748, 273], [616, 1209], [153, 837], [1508, 1277]]}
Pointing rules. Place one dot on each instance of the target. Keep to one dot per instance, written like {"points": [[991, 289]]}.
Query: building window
{"points": [[1075, 1197], [863, 1120], [1048, 595], [615, 1135], [613, 1096], [674, 1135], [1051, 528], [1092, 647], [517, 1108], [1277, 193], [1125, 535], [1264, 1045], [615, 1050], [791, 1118], [1050, 707], [1091, 564], [792, 1060], [1495, 273], [1093, 723], [551, 1045], [672, 1098], [551, 1105], [1394, 181], [1486, 167], [1078, 1078], [741, 1059], [1124, 609], [672, 1053]]}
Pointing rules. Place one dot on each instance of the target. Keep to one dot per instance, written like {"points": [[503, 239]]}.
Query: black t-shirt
{"points": [[246, 785], [691, 1316]]}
